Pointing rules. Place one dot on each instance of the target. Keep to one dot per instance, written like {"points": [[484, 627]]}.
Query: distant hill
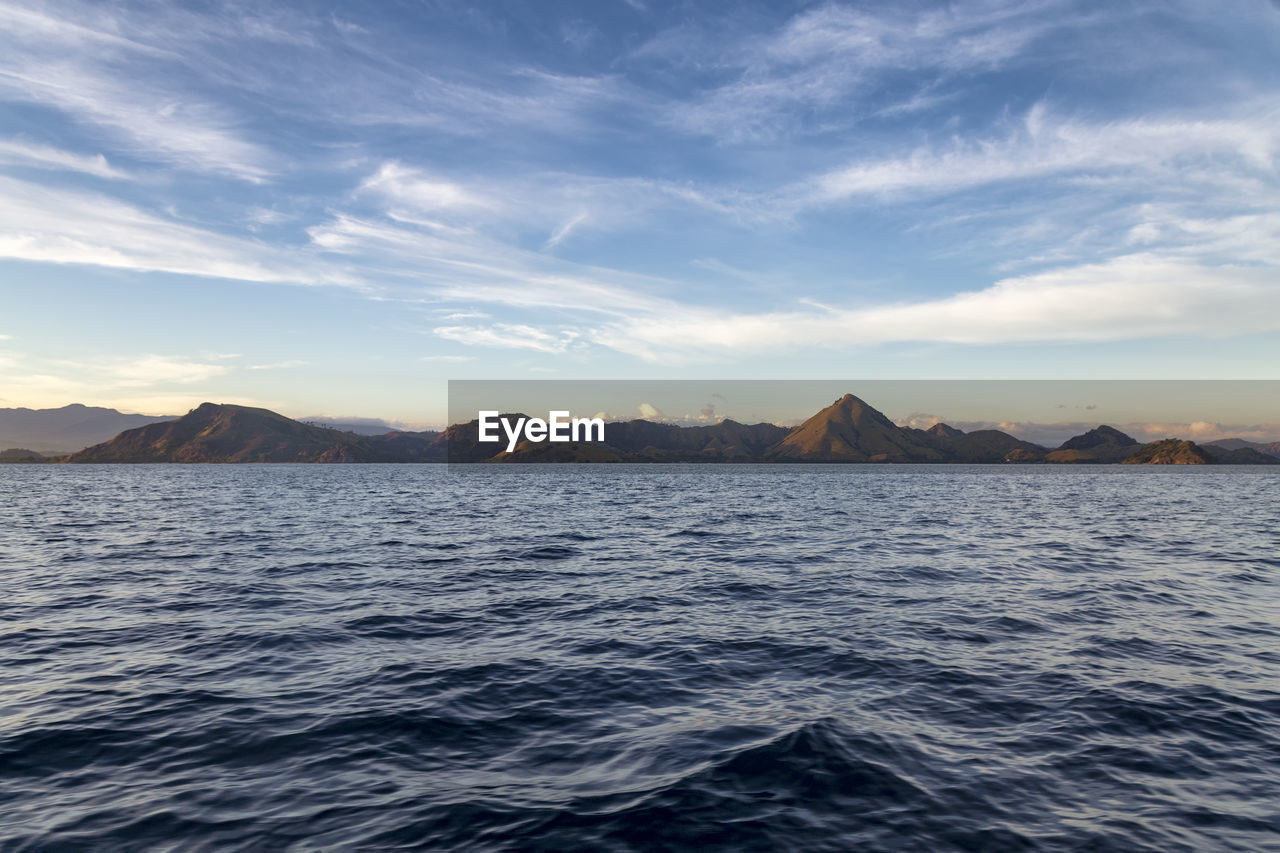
{"points": [[1169, 451], [979, 446], [1271, 448], [1239, 456], [227, 433], [21, 454], [849, 430], [360, 426], [66, 429], [1102, 444]]}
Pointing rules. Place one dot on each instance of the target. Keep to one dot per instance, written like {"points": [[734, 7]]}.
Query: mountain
{"points": [[360, 426], [980, 446], [68, 428], [849, 430], [1102, 444], [944, 431], [227, 433], [21, 454], [1271, 448], [1169, 451], [625, 441], [1238, 456], [725, 440]]}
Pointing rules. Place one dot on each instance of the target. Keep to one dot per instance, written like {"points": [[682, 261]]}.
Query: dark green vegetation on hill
{"points": [[849, 430]]}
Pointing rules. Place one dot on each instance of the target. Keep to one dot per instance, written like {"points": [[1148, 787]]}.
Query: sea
{"points": [[651, 657]]}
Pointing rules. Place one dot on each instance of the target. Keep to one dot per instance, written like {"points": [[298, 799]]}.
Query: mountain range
{"points": [[54, 431], [849, 430]]}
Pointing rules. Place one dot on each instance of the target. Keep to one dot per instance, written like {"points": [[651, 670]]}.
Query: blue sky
{"points": [[333, 208]]}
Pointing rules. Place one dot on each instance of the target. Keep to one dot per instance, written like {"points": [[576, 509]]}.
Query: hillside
{"points": [[227, 433], [1169, 451], [68, 428], [980, 446], [849, 430], [1104, 444]]}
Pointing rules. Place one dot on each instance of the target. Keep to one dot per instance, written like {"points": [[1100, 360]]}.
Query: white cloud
{"points": [[109, 81], [451, 359], [563, 230], [19, 153], [412, 188], [278, 365], [507, 335], [814, 72], [1136, 296], [1044, 147], [40, 223], [150, 370]]}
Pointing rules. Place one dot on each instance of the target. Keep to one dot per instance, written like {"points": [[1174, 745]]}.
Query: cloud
{"points": [[41, 223], [814, 72], [137, 382], [18, 153], [1136, 296], [507, 335], [919, 420], [150, 370], [1045, 146], [168, 125], [563, 230], [452, 359], [412, 188], [277, 365]]}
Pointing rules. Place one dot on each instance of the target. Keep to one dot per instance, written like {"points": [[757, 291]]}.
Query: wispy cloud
{"points": [[508, 336], [278, 365], [40, 223], [1136, 296], [819, 71], [106, 80], [1046, 146], [563, 230], [19, 153]]}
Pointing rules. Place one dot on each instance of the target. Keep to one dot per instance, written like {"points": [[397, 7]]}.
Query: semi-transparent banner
{"points": [[867, 421]]}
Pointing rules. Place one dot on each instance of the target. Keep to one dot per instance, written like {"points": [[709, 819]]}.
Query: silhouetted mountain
{"points": [[1239, 456], [66, 429], [21, 454], [1098, 436], [849, 430], [980, 446], [725, 440], [1271, 448], [1102, 444]]}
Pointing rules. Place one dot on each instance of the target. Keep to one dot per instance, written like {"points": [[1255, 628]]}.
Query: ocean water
{"points": [[604, 658]]}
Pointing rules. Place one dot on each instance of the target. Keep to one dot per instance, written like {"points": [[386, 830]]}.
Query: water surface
{"points": [[633, 658]]}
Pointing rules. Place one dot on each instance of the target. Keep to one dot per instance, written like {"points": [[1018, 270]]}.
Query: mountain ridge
{"points": [[849, 430]]}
